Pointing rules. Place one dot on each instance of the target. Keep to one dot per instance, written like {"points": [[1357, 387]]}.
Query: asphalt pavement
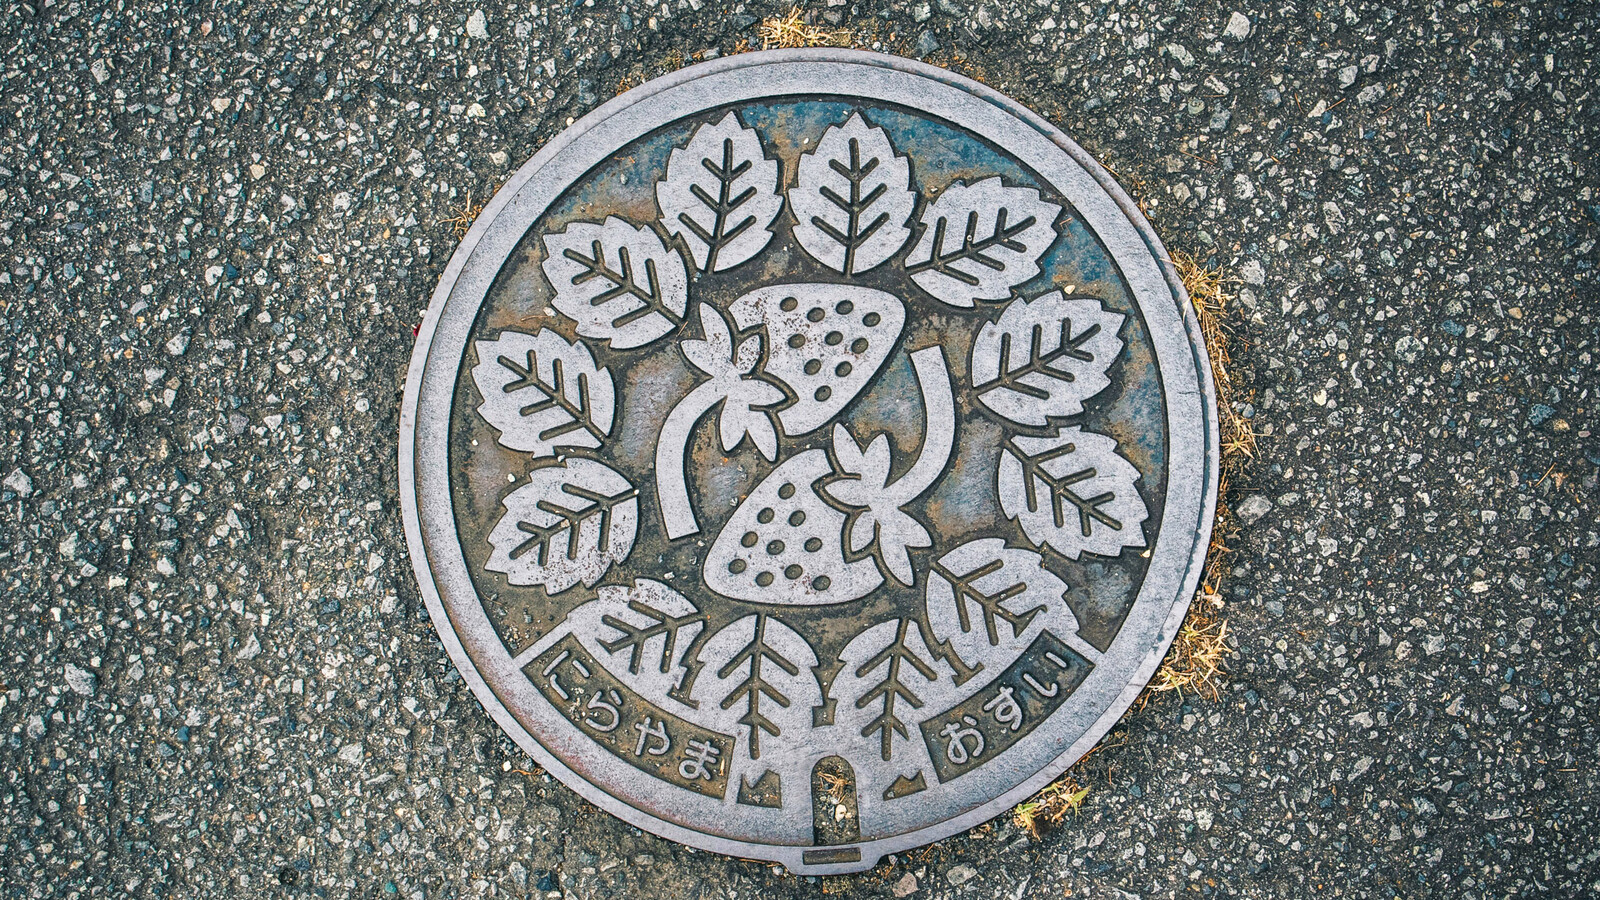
{"points": [[221, 222]]}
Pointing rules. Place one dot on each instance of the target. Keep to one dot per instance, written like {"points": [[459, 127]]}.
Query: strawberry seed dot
{"points": [[817, 314], [786, 491], [774, 548], [813, 366], [788, 304], [797, 341], [834, 338], [764, 579], [813, 545], [796, 517], [736, 566], [842, 369], [871, 319], [821, 583], [859, 345], [793, 572], [844, 308], [764, 516], [749, 539], [824, 393]]}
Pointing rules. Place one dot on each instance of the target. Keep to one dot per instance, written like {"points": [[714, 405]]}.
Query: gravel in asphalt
{"points": [[220, 222]]}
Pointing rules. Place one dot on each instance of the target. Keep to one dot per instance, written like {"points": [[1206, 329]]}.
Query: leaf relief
{"points": [[757, 678], [1072, 492], [642, 634], [543, 393], [720, 195], [889, 682], [569, 523], [1044, 357], [980, 241], [987, 602], [619, 283], [853, 198]]}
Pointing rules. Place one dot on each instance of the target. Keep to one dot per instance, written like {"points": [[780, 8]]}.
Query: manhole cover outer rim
{"points": [[1205, 442]]}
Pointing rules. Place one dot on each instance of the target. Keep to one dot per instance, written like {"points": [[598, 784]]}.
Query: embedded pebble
{"points": [[80, 681], [1238, 26]]}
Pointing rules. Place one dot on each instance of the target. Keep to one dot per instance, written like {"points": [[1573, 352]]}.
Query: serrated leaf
{"points": [[543, 393], [877, 518], [1072, 492], [571, 522], [720, 195], [756, 678], [889, 681], [980, 241], [618, 282], [642, 634], [1044, 357], [867, 470], [987, 602], [853, 198]]}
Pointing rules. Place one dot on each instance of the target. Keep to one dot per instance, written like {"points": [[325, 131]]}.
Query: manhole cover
{"points": [[808, 456]]}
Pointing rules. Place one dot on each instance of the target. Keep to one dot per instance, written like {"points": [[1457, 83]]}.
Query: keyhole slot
{"points": [[835, 817]]}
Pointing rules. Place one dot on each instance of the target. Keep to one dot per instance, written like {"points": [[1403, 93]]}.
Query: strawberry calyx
{"points": [[876, 517], [741, 416]]}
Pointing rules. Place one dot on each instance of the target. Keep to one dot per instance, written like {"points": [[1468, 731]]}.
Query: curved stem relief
{"points": [[743, 414], [672, 488], [939, 423]]}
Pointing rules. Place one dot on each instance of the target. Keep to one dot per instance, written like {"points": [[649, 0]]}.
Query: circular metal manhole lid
{"points": [[808, 455]]}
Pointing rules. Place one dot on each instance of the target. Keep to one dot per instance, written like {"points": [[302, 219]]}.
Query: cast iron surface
{"points": [[807, 455]]}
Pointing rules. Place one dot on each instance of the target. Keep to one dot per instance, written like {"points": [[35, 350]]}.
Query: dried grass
{"points": [[793, 30], [1194, 664], [1210, 294], [1050, 806], [671, 61], [630, 81], [956, 62], [834, 787], [463, 218]]}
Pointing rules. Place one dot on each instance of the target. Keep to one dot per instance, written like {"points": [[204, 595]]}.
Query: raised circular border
{"points": [[1189, 395]]}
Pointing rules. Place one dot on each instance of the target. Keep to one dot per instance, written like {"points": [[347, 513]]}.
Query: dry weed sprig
{"points": [[793, 30], [1195, 661], [955, 61], [835, 787], [1066, 794], [1209, 292], [463, 218], [629, 81], [1050, 806]]}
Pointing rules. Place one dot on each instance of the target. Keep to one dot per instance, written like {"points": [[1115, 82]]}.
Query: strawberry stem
{"points": [[672, 488]]}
